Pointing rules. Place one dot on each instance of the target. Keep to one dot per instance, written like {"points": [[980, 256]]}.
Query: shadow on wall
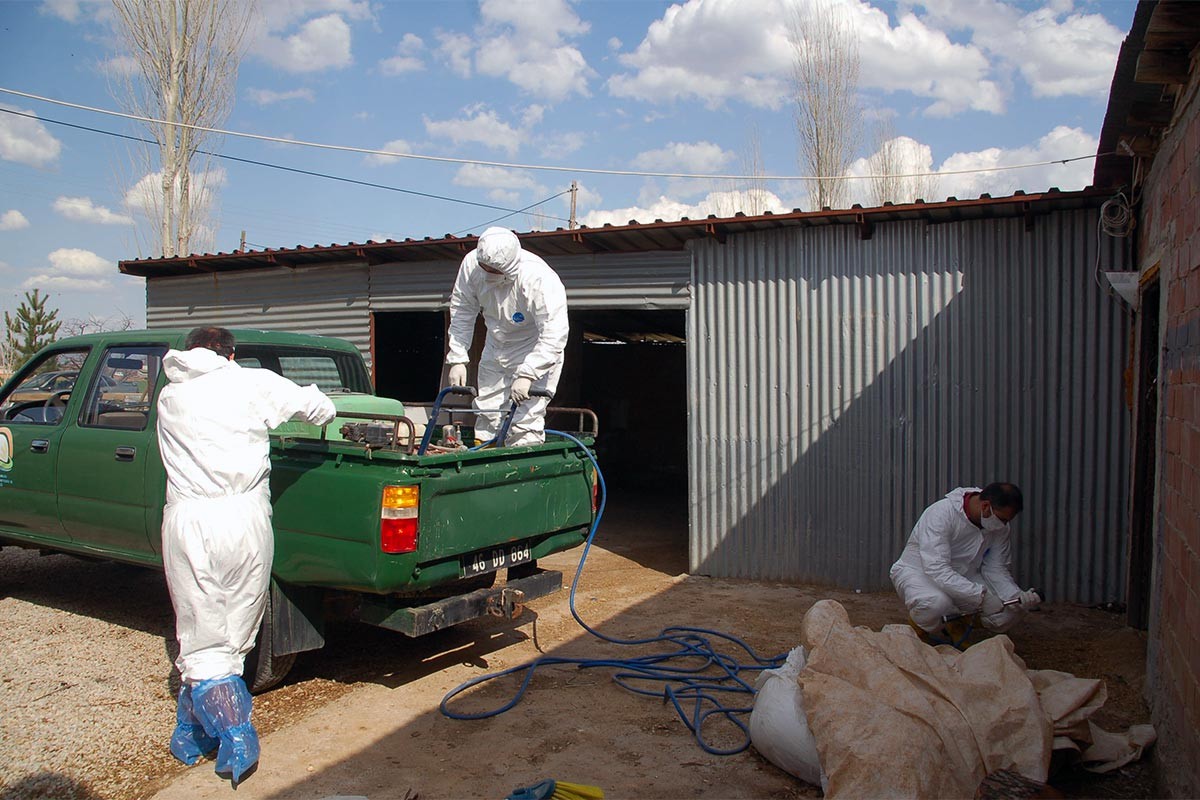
{"points": [[1017, 377]]}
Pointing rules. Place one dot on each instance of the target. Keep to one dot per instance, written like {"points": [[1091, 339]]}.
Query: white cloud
{"points": [[320, 44], [692, 157], [455, 50], [1056, 50], [72, 269], [480, 126], [407, 58], [394, 146], [13, 220], [533, 51], [720, 50], [81, 209], [146, 194], [481, 176], [26, 141], [277, 15], [266, 97], [724, 203], [1058, 144], [78, 262], [64, 283], [120, 66], [74, 10], [711, 50], [560, 145]]}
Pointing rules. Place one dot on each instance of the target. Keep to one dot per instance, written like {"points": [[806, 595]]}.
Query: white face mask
{"points": [[992, 523]]}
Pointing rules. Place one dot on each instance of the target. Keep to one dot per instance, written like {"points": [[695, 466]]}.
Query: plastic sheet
{"points": [[189, 741], [224, 706]]}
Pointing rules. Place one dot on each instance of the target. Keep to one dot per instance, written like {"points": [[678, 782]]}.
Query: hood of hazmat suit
{"points": [[949, 561], [217, 543]]}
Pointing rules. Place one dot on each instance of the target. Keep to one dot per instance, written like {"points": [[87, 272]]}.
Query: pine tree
{"points": [[30, 329]]}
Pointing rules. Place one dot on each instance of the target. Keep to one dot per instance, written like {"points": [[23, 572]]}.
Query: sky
{"points": [[510, 101]]}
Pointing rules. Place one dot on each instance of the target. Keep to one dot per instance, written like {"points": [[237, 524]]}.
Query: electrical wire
{"points": [[1117, 221], [311, 173], [698, 677], [542, 167]]}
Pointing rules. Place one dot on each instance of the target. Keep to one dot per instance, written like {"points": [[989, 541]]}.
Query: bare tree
{"points": [[77, 326], [748, 193], [899, 176], [187, 52], [825, 68]]}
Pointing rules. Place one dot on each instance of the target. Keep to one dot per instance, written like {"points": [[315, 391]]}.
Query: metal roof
{"points": [[634, 237], [1151, 69]]}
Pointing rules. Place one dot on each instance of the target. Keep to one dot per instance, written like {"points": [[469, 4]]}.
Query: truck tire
{"points": [[264, 668]]}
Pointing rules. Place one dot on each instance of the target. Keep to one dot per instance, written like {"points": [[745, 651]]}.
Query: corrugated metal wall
{"points": [[838, 386], [330, 301], [639, 280]]}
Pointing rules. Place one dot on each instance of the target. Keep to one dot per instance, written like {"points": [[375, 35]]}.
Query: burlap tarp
{"points": [[894, 717]]}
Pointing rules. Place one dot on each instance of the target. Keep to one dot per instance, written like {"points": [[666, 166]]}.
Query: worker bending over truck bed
{"points": [[524, 307]]}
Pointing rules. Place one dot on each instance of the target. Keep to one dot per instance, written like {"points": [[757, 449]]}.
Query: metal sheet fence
{"points": [[838, 386]]}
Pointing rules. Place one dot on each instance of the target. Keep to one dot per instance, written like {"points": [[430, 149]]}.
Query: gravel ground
{"points": [[87, 687]]}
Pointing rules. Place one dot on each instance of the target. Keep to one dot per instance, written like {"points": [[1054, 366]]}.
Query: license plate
{"points": [[494, 558]]}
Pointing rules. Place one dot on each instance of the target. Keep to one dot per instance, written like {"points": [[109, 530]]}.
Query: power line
{"points": [[508, 211], [543, 167]]}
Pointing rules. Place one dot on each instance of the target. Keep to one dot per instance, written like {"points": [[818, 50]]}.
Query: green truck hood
{"points": [[345, 403]]}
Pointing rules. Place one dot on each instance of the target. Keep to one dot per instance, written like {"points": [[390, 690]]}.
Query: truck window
{"points": [[120, 394], [330, 371], [40, 394]]}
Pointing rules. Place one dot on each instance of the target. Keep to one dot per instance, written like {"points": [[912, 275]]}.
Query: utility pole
{"points": [[242, 246], [572, 224]]}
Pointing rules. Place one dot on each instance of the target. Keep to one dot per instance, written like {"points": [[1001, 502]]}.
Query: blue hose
{"points": [[697, 678]]}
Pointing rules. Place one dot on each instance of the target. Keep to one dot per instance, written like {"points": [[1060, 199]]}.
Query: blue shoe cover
{"points": [[189, 741], [223, 707]]}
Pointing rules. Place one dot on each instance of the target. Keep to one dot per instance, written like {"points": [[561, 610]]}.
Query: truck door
{"points": [[102, 474], [33, 415]]}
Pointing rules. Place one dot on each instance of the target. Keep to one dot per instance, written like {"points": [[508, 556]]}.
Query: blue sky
{"points": [[599, 85]]}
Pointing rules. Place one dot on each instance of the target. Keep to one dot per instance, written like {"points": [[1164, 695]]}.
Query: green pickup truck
{"points": [[371, 521]]}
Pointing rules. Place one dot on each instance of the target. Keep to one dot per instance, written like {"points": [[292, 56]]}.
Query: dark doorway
{"points": [[1145, 459], [630, 367], [408, 353]]}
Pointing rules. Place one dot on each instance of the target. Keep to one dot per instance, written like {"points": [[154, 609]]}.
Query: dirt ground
{"points": [[360, 718]]}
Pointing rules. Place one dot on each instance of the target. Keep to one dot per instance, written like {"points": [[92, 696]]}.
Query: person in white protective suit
{"points": [[957, 563], [524, 307], [217, 541]]}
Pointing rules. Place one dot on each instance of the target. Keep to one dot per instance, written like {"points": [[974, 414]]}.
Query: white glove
{"points": [[1029, 600], [457, 375], [520, 388]]}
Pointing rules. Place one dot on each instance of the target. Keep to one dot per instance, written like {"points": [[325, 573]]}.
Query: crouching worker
{"points": [[956, 565], [217, 541]]}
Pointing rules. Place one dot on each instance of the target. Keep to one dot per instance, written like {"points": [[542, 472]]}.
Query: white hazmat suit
{"points": [[213, 419], [949, 562], [525, 310]]}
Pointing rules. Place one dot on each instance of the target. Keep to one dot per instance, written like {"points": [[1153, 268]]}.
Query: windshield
{"points": [[330, 370]]}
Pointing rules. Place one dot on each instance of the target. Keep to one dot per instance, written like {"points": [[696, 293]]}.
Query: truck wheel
{"points": [[264, 668]]}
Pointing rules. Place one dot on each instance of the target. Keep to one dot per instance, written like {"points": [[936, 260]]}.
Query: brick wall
{"points": [[1170, 231]]}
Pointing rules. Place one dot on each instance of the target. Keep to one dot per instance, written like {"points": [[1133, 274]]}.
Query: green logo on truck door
{"points": [[6, 449]]}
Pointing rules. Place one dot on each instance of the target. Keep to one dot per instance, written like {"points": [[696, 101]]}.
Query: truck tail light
{"points": [[399, 519]]}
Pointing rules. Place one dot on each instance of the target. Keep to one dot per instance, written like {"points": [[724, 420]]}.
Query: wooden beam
{"points": [[1162, 66], [866, 228], [1150, 115]]}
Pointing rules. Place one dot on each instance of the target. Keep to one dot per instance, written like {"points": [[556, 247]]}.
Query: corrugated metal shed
{"points": [[839, 385], [845, 368]]}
